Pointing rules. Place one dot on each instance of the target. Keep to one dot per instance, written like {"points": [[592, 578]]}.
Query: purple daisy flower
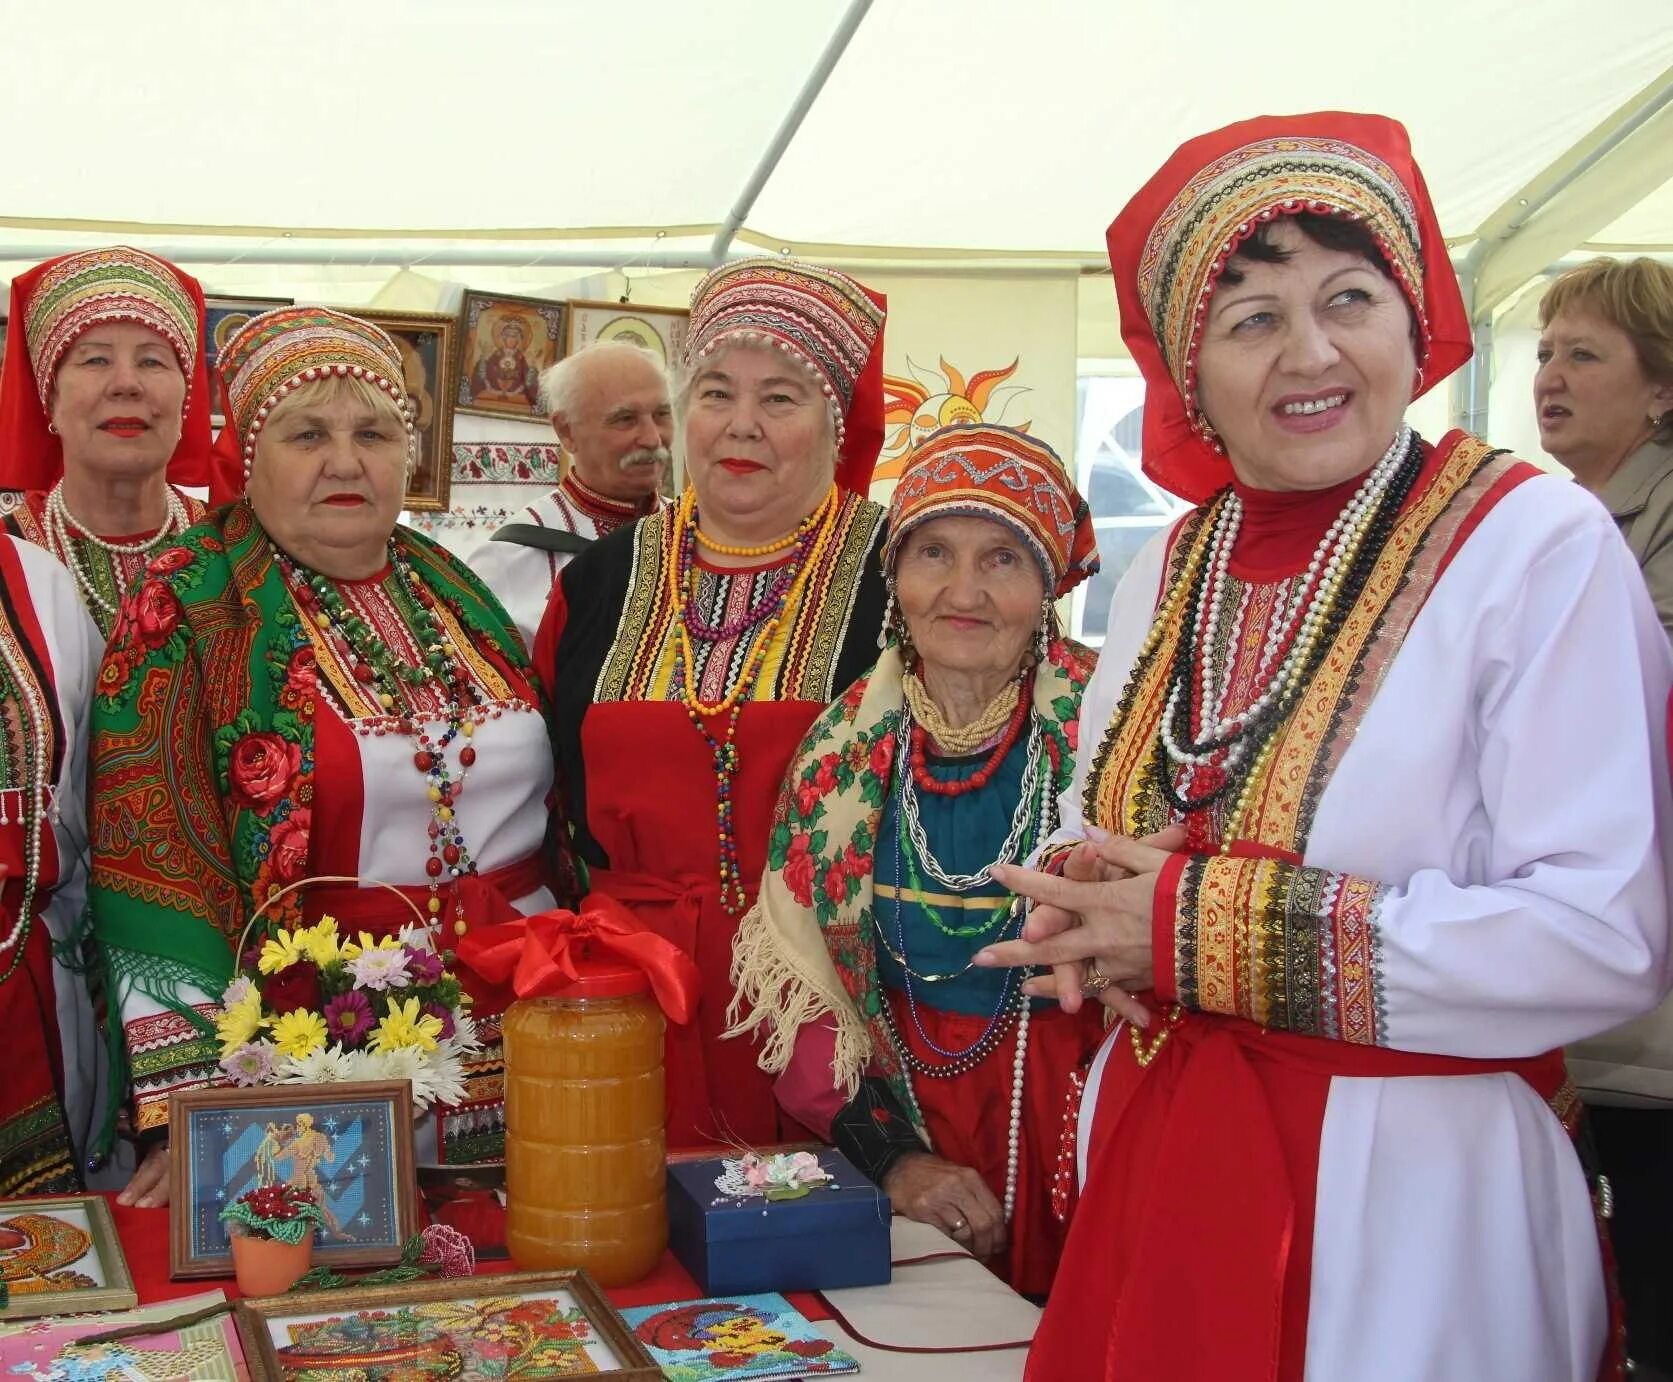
{"points": [[348, 1017], [424, 966]]}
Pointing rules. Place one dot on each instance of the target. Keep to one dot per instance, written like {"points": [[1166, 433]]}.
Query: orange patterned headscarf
{"points": [[982, 471], [1171, 242], [276, 352]]}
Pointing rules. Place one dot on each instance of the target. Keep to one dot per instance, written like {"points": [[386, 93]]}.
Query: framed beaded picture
{"points": [[61, 1256], [660, 330], [429, 357], [508, 342], [223, 316], [351, 1145], [525, 1324]]}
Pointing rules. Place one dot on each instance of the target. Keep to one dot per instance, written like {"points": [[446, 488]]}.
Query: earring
{"points": [[53, 428], [1047, 631]]}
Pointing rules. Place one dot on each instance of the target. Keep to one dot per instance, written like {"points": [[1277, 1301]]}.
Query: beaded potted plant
{"points": [[272, 1232]]}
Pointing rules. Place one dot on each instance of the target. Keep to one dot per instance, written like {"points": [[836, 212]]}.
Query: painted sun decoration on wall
{"points": [[931, 399]]}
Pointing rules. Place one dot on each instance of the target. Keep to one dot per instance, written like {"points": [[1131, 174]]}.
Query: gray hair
{"points": [[560, 384]]}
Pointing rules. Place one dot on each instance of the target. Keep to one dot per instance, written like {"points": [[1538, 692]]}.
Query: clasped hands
{"points": [[1093, 923]]}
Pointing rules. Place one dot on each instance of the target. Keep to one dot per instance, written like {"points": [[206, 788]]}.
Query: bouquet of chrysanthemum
{"points": [[311, 1007]]}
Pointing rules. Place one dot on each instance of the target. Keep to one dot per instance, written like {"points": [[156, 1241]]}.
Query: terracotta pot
{"points": [[267, 1267]]}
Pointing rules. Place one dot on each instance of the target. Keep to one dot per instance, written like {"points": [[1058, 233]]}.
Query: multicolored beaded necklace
{"points": [[26, 772], [809, 541], [1217, 757], [371, 662]]}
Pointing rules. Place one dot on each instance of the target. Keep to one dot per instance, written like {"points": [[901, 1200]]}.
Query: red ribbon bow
{"points": [[538, 953]]}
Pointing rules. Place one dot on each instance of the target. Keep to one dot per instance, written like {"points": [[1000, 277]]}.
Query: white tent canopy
{"points": [[391, 154], [947, 126]]}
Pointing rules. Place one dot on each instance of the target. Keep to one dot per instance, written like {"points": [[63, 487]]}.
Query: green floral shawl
{"points": [[203, 752], [805, 949]]}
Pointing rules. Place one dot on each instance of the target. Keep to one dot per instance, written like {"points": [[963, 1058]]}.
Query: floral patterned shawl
{"points": [[203, 750], [805, 949]]}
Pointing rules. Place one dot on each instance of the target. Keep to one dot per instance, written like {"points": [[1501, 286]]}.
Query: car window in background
{"points": [[1127, 508]]}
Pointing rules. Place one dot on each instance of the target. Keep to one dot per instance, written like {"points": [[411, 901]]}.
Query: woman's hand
{"points": [[149, 1187], [1099, 912], [953, 1198]]}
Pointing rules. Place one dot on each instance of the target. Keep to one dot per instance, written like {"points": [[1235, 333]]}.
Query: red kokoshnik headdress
{"points": [[826, 321], [1170, 244], [54, 304]]}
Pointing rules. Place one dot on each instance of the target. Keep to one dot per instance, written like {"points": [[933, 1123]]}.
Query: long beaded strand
{"points": [[723, 749], [370, 662], [33, 790], [988, 1041]]}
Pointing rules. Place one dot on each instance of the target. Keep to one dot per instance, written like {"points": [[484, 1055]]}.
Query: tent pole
{"points": [[792, 122]]}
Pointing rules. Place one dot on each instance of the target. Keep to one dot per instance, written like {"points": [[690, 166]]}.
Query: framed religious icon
{"points": [[349, 1144], [223, 316], [525, 1324], [61, 1256], [508, 342], [429, 356], [660, 330]]}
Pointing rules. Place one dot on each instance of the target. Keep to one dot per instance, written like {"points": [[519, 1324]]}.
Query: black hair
{"points": [[1330, 232]]}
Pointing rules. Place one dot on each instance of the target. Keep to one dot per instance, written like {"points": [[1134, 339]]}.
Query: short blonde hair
{"points": [[1635, 296]]}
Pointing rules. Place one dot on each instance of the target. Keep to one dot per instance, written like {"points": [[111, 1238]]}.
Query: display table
{"points": [[944, 1316]]}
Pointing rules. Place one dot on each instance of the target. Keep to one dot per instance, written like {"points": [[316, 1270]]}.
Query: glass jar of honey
{"points": [[585, 1123]]}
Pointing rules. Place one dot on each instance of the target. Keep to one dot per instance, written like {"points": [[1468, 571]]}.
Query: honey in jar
{"points": [[585, 1126]]}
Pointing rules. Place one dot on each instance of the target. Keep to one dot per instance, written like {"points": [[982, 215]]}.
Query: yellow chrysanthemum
{"points": [[281, 951], [404, 1025], [299, 1033], [238, 1023], [320, 941], [349, 949]]}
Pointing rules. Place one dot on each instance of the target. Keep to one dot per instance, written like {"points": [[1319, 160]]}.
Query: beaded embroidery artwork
{"points": [[735, 1338], [61, 1256]]}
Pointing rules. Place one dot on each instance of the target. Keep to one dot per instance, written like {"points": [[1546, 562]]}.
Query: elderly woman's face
{"points": [[1306, 367], [971, 592], [1593, 398], [758, 439], [328, 478], [117, 401]]}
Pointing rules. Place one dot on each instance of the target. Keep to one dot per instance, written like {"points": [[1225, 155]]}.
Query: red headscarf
{"points": [[1171, 242], [55, 302]]}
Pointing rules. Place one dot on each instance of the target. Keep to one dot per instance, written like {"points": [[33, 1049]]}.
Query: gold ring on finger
{"points": [[1091, 981]]}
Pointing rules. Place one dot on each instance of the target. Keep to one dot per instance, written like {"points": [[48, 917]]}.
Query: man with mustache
{"points": [[609, 406]]}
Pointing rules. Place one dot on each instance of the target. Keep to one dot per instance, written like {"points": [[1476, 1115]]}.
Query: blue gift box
{"points": [[734, 1245]]}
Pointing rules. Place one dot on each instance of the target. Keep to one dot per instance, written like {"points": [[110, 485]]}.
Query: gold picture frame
{"points": [[505, 344], [428, 343], [40, 1272], [660, 330], [459, 1311]]}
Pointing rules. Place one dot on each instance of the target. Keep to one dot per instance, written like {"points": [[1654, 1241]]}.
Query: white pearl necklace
{"points": [[1303, 613], [59, 521], [33, 814], [1011, 851]]}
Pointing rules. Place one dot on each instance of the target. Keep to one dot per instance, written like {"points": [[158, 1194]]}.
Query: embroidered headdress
{"points": [[281, 350], [829, 324], [53, 305], [983, 471], [1170, 244]]}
